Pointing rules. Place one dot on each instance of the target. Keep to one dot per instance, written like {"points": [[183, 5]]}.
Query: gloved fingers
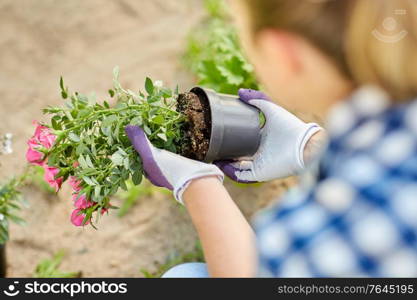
{"points": [[147, 153], [246, 95], [268, 108], [239, 171], [260, 101]]}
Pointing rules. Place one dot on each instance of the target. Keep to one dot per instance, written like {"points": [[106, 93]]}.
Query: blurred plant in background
{"points": [[195, 255], [48, 268], [11, 198], [132, 195], [214, 55], [136, 192], [6, 144], [11, 201]]}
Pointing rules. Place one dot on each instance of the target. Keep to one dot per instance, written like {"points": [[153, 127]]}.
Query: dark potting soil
{"points": [[197, 129]]}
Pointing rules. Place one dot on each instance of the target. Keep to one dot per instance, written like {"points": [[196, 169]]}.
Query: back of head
{"points": [[371, 41]]}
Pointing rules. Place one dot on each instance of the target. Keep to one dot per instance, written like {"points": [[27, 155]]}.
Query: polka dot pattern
{"points": [[358, 216]]}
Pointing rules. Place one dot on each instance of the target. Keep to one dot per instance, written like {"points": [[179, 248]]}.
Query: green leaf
{"points": [[159, 119], [82, 162], [111, 93], [137, 121], [73, 137], [137, 177], [61, 83], [149, 87], [147, 130], [81, 149], [109, 120], [117, 159], [64, 91], [88, 171], [83, 98], [126, 163], [88, 161], [229, 71], [83, 113], [97, 190], [106, 131], [52, 159], [55, 123], [88, 180], [123, 152], [166, 93], [162, 136], [123, 185]]}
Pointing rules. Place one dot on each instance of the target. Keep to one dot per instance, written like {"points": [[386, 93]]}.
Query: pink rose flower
{"points": [[50, 173], [81, 201], [43, 137], [77, 217], [33, 156], [75, 184]]}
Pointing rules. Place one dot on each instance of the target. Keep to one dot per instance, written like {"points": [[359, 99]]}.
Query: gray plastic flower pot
{"points": [[235, 126]]}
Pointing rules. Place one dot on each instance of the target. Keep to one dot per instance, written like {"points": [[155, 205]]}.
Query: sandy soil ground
{"points": [[83, 41]]}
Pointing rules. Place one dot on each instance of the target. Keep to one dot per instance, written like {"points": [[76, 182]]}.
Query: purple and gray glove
{"points": [[167, 169], [283, 140]]}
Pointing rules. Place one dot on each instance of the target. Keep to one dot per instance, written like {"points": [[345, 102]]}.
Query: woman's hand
{"points": [[227, 239], [281, 152], [166, 169]]}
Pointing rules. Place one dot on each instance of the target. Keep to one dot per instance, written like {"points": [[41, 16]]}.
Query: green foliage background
{"points": [[214, 55], [49, 268], [11, 202]]}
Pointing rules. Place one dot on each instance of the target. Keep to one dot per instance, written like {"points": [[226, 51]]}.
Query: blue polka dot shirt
{"points": [[355, 213]]}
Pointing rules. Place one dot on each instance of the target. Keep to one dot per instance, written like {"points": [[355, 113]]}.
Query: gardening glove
{"points": [[283, 139], [167, 169]]}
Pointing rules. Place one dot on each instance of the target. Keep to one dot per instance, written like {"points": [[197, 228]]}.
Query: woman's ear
{"points": [[277, 57], [280, 50]]}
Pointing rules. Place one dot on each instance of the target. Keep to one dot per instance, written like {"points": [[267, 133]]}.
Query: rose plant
{"points": [[85, 143]]}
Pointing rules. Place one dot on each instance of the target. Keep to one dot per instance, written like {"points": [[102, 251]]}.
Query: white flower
{"points": [[158, 83]]}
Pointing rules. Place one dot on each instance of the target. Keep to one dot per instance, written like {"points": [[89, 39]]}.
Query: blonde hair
{"points": [[371, 41]]}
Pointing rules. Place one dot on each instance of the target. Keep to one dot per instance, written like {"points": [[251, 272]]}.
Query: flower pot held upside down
{"points": [[220, 126]]}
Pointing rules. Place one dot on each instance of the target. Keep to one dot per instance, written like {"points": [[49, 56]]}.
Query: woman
{"points": [[354, 63]]}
